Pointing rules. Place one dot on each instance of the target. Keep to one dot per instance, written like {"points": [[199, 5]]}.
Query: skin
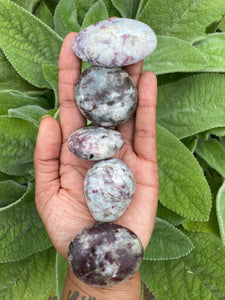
{"points": [[60, 175]]}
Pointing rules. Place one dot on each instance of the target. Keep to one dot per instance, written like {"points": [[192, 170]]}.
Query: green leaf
{"points": [[213, 49], [183, 187], [190, 142], [83, 7], [186, 19], [22, 232], [174, 55], [17, 142], [51, 76], [65, 18], [167, 242], [9, 78], [192, 105], [112, 11], [31, 278], [11, 191], [27, 4], [14, 99], [127, 8], [51, 4], [220, 209], [168, 215], [141, 7], [27, 42], [61, 270], [31, 113], [221, 26], [196, 276], [43, 13], [213, 153], [96, 13]]}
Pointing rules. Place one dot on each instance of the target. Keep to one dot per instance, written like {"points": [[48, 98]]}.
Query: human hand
{"points": [[60, 175]]}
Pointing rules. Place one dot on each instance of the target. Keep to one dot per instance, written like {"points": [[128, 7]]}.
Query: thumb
{"points": [[46, 161]]}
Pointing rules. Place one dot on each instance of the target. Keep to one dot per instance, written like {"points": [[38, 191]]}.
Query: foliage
{"points": [[185, 258]]}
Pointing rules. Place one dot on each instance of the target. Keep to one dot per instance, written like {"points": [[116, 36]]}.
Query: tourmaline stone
{"points": [[106, 96], [104, 254], [95, 143], [115, 42], [108, 187]]}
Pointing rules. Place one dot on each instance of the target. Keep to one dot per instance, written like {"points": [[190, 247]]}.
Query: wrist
{"points": [[76, 289]]}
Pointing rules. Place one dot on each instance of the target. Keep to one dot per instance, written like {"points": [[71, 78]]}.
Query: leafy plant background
{"points": [[185, 258]]}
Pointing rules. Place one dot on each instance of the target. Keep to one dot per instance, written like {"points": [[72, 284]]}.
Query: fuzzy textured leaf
{"points": [[195, 276], [31, 113], [174, 55], [183, 187], [185, 19], [27, 42], [220, 209], [167, 242], [127, 8], [11, 191], [27, 4], [17, 142], [31, 278], [96, 13], [192, 105], [168, 215], [21, 230], [51, 76], [65, 18], [213, 49], [43, 13]]}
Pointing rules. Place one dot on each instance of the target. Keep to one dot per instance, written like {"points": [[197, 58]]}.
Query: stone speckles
{"points": [[108, 186], [106, 96], [104, 254], [95, 143], [115, 42]]}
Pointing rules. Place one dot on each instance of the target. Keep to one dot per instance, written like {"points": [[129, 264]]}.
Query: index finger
{"points": [[69, 72]]}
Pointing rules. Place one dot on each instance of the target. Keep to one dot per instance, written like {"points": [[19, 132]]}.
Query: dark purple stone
{"points": [[104, 254]]}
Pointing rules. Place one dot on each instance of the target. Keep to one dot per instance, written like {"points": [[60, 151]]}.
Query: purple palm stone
{"points": [[115, 42], [104, 254], [108, 186], [106, 96]]}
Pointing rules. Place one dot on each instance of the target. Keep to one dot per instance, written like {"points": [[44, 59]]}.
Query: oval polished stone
{"points": [[115, 42], [106, 96], [104, 254], [95, 143], [108, 187]]}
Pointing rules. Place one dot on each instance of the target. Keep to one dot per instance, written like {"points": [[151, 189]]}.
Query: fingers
{"points": [[69, 72], [46, 161], [145, 125]]}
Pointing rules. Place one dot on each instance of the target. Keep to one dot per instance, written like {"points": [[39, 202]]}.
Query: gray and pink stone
{"points": [[115, 42], [108, 187], [95, 143], [105, 254], [106, 96]]}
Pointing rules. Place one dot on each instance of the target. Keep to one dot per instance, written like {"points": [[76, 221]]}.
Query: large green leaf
{"points": [[213, 49], [65, 18], [21, 230], [196, 276], [185, 19], [96, 13], [31, 278], [27, 42], [61, 270], [31, 113], [213, 153], [174, 55], [127, 8], [167, 242], [17, 142], [183, 187], [43, 13], [11, 191], [168, 215], [193, 104], [220, 209], [13, 99], [27, 4], [51, 76]]}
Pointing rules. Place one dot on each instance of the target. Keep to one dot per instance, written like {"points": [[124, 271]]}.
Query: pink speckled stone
{"points": [[115, 42]]}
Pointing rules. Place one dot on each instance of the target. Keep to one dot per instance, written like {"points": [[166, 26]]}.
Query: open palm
{"points": [[60, 175]]}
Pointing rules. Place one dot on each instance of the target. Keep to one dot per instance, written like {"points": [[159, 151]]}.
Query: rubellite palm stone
{"points": [[95, 143], [115, 42], [106, 96], [108, 186], [104, 254]]}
